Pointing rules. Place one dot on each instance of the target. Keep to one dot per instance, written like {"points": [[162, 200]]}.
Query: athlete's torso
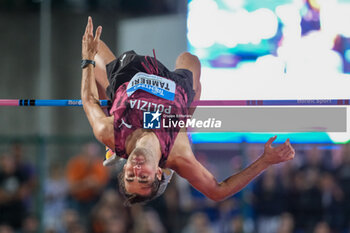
{"points": [[132, 101]]}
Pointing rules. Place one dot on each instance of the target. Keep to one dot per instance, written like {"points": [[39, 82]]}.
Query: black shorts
{"points": [[128, 64]]}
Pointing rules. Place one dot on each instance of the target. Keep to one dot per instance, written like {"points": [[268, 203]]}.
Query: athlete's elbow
{"points": [[214, 193], [98, 132], [102, 133], [216, 197], [220, 193], [88, 99]]}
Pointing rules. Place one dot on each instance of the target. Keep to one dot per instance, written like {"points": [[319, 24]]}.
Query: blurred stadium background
{"points": [[50, 174]]}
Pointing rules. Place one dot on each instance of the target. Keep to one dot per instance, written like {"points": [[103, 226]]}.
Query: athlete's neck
{"points": [[146, 139]]}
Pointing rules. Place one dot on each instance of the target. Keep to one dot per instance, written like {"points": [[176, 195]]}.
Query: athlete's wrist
{"points": [[263, 159], [86, 62]]}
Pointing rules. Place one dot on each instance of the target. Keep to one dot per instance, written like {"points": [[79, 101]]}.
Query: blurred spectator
{"points": [[86, 178], [13, 192], [322, 227], [286, 224], [236, 225], [313, 159], [23, 165], [30, 225], [184, 193], [27, 170], [305, 200], [286, 171], [71, 222], [108, 210], [6, 229], [56, 190], [174, 214], [116, 225], [343, 177], [229, 219], [336, 156], [198, 223], [269, 201], [146, 221], [332, 198]]}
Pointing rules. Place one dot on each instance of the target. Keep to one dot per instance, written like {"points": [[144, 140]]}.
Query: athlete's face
{"points": [[139, 174]]}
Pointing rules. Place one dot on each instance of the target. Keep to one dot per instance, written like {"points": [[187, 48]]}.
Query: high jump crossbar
{"points": [[106, 103], [47, 103]]}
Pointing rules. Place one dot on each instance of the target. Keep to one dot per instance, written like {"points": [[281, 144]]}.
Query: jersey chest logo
{"points": [[153, 84]]}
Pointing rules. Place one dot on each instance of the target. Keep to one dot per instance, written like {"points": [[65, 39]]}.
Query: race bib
{"points": [[153, 84]]}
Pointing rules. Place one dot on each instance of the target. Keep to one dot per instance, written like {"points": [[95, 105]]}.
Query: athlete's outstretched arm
{"points": [[200, 178], [102, 126]]}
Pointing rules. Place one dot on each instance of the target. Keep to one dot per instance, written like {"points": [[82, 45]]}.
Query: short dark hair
{"points": [[134, 198]]}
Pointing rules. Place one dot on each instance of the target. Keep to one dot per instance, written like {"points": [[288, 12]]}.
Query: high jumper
{"points": [[149, 151]]}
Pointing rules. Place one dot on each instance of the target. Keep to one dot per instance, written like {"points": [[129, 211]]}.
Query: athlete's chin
{"points": [[145, 192], [139, 191]]}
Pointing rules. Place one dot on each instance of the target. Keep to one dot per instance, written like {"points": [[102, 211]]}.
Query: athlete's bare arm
{"points": [[102, 126], [183, 161]]}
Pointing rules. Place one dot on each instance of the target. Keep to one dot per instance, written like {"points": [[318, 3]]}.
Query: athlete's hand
{"points": [[90, 42], [282, 153]]}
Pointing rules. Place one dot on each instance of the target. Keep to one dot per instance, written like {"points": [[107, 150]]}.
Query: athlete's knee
{"points": [[187, 57], [191, 62], [187, 54]]}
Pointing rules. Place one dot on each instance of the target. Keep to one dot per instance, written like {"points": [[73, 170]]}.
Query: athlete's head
{"points": [[140, 178]]}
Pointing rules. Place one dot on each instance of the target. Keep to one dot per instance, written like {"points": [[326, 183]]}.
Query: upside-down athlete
{"points": [[149, 151]]}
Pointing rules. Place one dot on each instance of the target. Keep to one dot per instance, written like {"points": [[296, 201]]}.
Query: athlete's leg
{"points": [[102, 58], [190, 62]]}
